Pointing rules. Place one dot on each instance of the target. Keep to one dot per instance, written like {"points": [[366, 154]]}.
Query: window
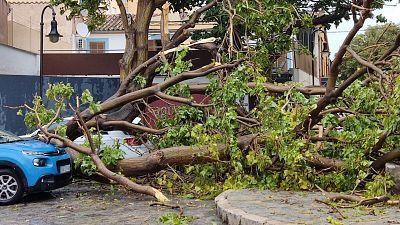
{"points": [[80, 44], [304, 37], [97, 45]]}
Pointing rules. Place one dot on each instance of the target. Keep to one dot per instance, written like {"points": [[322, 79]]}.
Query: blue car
{"points": [[28, 166]]}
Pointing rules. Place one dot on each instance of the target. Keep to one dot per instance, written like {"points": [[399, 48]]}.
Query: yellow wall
{"points": [[24, 27]]}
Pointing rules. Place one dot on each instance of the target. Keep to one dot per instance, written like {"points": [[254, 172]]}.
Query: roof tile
{"points": [[113, 23]]}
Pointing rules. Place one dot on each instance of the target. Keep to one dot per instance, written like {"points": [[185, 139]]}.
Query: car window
{"points": [[6, 137]]}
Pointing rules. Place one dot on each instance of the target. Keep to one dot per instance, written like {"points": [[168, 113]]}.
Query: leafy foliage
{"points": [[281, 161], [85, 164], [379, 186], [58, 94], [110, 155], [175, 219], [179, 65]]}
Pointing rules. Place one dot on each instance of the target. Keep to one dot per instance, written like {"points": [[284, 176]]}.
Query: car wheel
{"points": [[11, 187]]}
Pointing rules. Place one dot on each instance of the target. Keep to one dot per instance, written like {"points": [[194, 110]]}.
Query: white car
{"points": [[129, 144]]}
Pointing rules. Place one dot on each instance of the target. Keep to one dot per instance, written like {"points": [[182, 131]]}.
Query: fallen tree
{"points": [[293, 138]]}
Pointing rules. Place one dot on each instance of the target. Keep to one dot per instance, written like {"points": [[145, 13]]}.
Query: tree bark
{"points": [[158, 160], [125, 62], [145, 10], [379, 163], [183, 155]]}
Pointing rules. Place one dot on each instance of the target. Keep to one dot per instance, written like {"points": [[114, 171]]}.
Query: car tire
{"points": [[11, 187]]}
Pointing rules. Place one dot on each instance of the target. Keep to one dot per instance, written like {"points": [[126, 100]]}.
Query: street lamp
{"points": [[54, 36]]}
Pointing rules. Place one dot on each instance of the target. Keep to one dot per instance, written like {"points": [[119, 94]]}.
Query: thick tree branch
{"points": [[314, 116], [100, 165], [388, 54], [379, 144], [127, 126], [364, 63], [183, 155], [270, 87], [354, 11], [124, 15], [379, 163], [194, 18], [146, 92], [186, 101], [334, 70], [140, 68], [281, 89], [326, 163]]}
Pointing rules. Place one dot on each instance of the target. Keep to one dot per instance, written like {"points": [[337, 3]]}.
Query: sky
{"points": [[391, 11]]}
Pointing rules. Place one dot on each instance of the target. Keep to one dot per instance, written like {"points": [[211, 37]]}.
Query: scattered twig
{"points": [[169, 205], [334, 197]]}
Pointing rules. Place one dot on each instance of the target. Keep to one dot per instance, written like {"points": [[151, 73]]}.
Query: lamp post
{"points": [[54, 36]]}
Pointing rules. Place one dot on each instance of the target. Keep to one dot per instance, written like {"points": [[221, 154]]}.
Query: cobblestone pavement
{"points": [[267, 207], [90, 203]]}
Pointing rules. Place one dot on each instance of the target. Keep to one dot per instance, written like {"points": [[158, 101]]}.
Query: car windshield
{"points": [[53, 126], [6, 137]]}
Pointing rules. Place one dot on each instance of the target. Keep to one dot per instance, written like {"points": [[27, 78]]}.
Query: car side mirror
{"points": [[137, 120]]}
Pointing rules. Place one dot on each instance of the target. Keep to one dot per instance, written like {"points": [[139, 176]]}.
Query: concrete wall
{"points": [[304, 77], [3, 21], [18, 62]]}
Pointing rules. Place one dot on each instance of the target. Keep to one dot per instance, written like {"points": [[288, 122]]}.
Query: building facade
{"points": [[24, 26], [308, 68]]}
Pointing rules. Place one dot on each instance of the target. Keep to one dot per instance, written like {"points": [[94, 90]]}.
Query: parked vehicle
{"points": [[131, 146], [28, 166]]}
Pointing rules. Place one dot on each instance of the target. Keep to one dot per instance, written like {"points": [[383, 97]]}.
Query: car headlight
{"points": [[33, 152], [39, 162]]}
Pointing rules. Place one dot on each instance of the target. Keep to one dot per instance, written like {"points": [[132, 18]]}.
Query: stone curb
{"points": [[234, 216]]}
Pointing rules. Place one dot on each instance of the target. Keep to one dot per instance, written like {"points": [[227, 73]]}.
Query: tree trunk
{"points": [[125, 62], [144, 14], [184, 155]]}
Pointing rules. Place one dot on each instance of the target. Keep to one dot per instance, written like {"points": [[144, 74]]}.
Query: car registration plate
{"points": [[65, 168]]}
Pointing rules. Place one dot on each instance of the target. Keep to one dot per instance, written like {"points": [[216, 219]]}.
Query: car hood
{"points": [[28, 145]]}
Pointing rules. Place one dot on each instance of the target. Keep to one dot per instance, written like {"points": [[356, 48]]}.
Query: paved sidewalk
{"points": [[245, 207], [85, 203]]}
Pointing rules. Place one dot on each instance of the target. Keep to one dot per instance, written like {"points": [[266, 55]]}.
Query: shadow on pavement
{"points": [[37, 197]]}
